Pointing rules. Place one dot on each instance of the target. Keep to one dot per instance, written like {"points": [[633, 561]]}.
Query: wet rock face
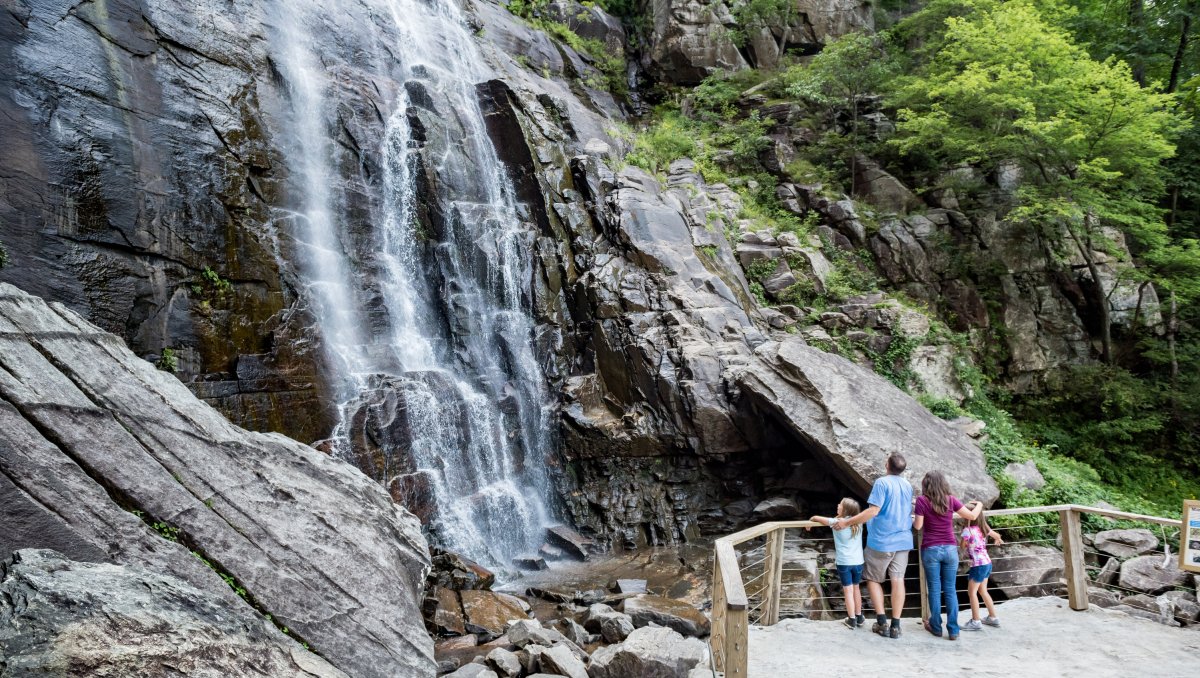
{"points": [[140, 153], [109, 620], [130, 466]]}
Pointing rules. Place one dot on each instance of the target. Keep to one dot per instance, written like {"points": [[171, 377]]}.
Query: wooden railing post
{"points": [[1072, 545], [922, 586], [729, 640], [772, 576], [737, 639], [716, 638]]}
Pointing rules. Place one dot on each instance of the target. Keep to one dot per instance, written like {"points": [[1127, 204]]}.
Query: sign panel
{"points": [[1189, 537]]}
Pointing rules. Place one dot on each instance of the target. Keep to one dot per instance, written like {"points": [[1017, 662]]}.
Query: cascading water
{"points": [[456, 346]]}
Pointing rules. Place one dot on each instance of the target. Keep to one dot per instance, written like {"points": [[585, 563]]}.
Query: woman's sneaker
{"points": [[973, 625], [991, 621]]}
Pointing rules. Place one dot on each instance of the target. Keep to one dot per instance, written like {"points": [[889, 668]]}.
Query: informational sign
{"points": [[1189, 537]]}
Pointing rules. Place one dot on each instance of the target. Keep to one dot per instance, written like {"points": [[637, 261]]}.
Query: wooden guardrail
{"points": [[731, 605]]}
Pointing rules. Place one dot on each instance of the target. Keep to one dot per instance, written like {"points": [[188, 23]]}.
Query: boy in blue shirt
{"points": [[889, 539]]}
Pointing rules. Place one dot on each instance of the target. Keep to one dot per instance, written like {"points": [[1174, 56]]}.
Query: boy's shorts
{"points": [[979, 573], [850, 575], [881, 566]]}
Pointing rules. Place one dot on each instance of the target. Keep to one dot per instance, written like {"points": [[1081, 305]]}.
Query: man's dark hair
{"points": [[896, 464]]}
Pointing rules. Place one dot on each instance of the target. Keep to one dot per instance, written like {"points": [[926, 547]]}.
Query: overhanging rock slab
{"points": [[854, 418]]}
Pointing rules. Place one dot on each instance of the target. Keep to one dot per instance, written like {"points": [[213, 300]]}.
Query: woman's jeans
{"points": [[941, 566]]}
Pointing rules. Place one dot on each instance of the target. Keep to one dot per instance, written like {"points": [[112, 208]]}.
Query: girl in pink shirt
{"points": [[974, 539]]}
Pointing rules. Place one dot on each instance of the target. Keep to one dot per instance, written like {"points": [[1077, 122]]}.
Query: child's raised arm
{"points": [[820, 519]]}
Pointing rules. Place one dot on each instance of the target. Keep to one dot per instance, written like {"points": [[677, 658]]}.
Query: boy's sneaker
{"points": [[991, 621], [881, 629], [860, 620], [894, 632], [973, 625], [849, 623]]}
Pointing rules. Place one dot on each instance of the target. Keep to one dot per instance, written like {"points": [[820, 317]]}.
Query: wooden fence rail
{"points": [[731, 606]]}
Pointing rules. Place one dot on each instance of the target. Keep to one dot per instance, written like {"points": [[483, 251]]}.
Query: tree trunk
{"points": [[1185, 29], [1172, 328], [1137, 311], [1137, 20]]}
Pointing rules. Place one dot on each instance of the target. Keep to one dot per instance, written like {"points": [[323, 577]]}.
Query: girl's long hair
{"points": [[982, 523], [937, 491], [849, 508]]}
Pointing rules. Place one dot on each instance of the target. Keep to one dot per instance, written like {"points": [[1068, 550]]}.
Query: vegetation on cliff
{"points": [[1095, 117]]}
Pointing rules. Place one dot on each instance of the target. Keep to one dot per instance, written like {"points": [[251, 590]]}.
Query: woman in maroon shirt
{"points": [[934, 516]]}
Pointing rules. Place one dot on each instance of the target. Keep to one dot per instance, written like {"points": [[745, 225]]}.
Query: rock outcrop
{"points": [[120, 462], [648, 651], [855, 418], [691, 39], [62, 617]]}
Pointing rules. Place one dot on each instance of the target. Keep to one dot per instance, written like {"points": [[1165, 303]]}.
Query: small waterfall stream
{"points": [[454, 356]]}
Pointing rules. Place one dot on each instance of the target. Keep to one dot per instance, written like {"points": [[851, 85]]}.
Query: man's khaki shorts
{"points": [[880, 566]]}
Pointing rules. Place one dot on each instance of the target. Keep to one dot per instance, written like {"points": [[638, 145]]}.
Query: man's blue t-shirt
{"points": [[891, 529]]}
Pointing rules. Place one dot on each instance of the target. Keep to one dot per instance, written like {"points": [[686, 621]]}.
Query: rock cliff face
{"points": [[692, 39], [151, 190], [683, 408], [59, 616], [108, 459], [140, 155]]}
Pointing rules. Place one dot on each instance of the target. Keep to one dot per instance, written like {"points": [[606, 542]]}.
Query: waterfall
{"points": [[453, 353]]}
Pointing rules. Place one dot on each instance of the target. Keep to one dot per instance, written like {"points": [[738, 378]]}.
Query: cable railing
{"points": [[779, 570]]}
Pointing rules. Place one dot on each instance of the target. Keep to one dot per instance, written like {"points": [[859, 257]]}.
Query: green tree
{"points": [[1007, 86], [840, 77]]}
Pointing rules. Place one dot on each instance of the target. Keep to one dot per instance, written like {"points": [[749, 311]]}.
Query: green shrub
{"points": [[3, 256], [715, 99], [668, 140], [215, 281], [167, 361]]}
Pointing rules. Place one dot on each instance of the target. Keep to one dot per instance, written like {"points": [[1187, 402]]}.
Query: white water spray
{"points": [[458, 341]]}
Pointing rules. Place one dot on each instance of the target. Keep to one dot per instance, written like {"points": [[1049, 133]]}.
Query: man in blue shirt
{"points": [[889, 539]]}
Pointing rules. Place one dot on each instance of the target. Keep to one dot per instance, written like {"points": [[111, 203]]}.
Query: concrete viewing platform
{"points": [[1039, 638]]}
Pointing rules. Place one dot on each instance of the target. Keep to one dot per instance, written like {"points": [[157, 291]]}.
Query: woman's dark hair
{"points": [[937, 491]]}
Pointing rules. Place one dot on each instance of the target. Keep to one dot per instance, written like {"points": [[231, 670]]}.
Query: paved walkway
{"points": [[1040, 638]]}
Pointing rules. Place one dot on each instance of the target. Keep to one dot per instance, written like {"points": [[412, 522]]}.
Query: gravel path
{"points": [[1040, 637]]}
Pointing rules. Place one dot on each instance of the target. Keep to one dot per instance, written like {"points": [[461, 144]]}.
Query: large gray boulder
{"points": [[649, 653], [855, 418], [674, 614], [1149, 574], [1125, 543], [62, 617], [560, 661], [1026, 474], [1027, 570], [132, 466]]}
